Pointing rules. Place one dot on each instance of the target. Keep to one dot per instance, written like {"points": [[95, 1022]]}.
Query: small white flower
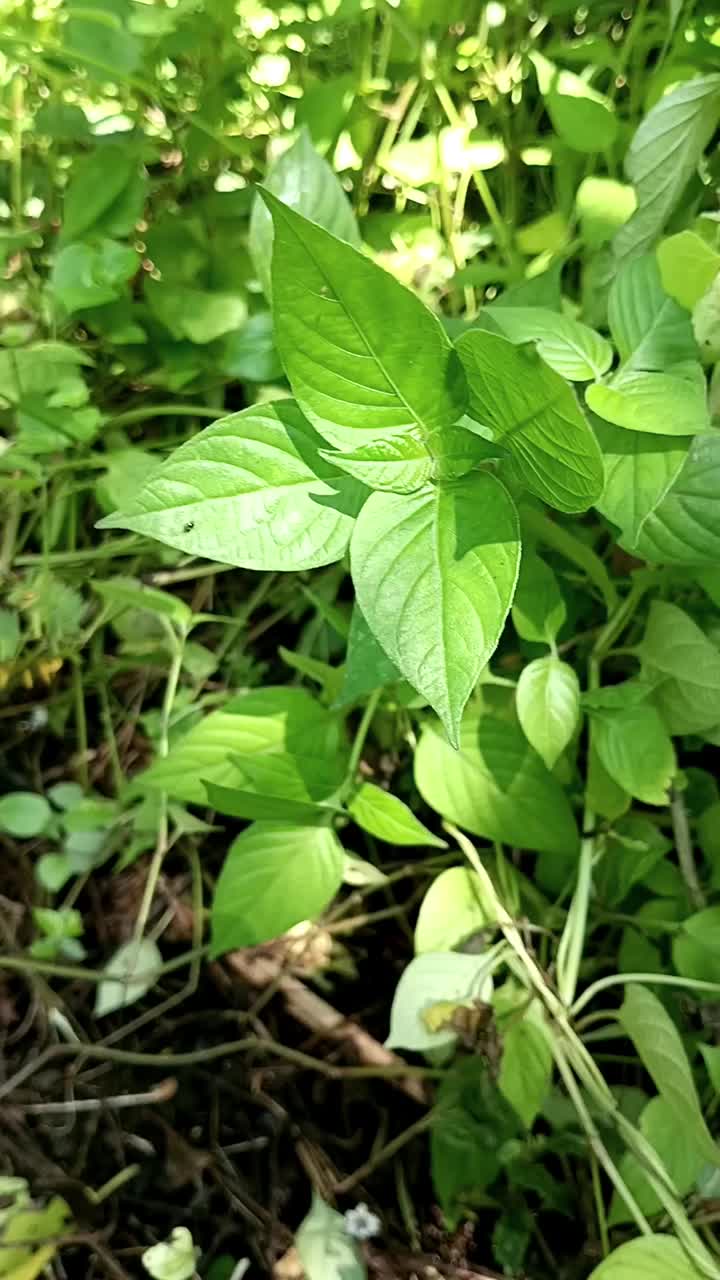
{"points": [[361, 1223]]}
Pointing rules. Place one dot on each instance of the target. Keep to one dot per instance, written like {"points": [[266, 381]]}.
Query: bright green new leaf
{"points": [[251, 490], [434, 574], [172, 1259], [672, 403], [678, 1152], [683, 528], [311, 769], [660, 1049], [647, 1258], [363, 355], [572, 349], [650, 330], [451, 911], [582, 117], [495, 786], [603, 205], [635, 748], [640, 469], [688, 266], [269, 721], [533, 412], [526, 1067], [129, 975], [538, 609], [548, 706], [252, 806], [325, 1249], [663, 156], [387, 818], [305, 182], [274, 876], [399, 464], [676, 648], [438, 978]]}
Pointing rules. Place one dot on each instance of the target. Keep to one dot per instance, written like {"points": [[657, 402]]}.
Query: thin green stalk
{"points": [[359, 741], [126, 546], [145, 411], [163, 748], [684, 850], [80, 726], [599, 1205], [651, 979]]}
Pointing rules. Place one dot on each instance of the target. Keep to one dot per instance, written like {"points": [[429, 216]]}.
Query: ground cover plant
{"points": [[360, 640]]}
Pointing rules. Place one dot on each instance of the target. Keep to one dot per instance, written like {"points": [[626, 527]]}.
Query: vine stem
{"points": [[359, 741], [684, 849], [143, 412], [654, 979]]}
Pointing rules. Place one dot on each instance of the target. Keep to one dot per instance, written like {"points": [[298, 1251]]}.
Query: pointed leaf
{"points": [[367, 666], [548, 706], [325, 1249], [572, 349], [688, 265], [435, 574], [349, 337], [274, 876], [648, 327], [526, 1067], [399, 464], [660, 1049], [439, 976], [538, 609], [386, 817], [495, 786], [250, 490], [451, 911], [672, 403], [663, 156], [635, 748], [647, 1258], [307, 183], [640, 469], [582, 117], [129, 975], [676, 648], [683, 528], [534, 413]]}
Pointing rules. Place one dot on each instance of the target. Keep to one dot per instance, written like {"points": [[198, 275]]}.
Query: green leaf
{"points": [[663, 156], [672, 403], [98, 180], [24, 814], [660, 1049], [495, 786], [325, 1250], [473, 1122], [349, 336], [89, 275], [526, 1067], [534, 413], [250, 490], [251, 806], [675, 647], [688, 266], [249, 353], [172, 1259], [632, 849], [438, 978], [683, 528], [305, 182], [635, 748], [200, 315], [400, 464], [274, 876], [387, 818], [128, 593], [263, 722], [572, 349], [129, 975], [367, 666], [548, 706], [602, 205], [678, 1152], [312, 770], [582, 117], [434, 574], [711, 1056], [640, 469], [604, 795], [696, 946], [451, 911], [648, 327], [538, 609]]}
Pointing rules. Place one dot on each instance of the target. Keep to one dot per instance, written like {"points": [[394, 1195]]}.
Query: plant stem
{"points": [[651, 979], [127, 546], [145, 411], [359, 741], [564, 542], [684, 849], [80, 726], [397, 1143]]}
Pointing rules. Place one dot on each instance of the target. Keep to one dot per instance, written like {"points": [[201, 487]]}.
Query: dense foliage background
{"points": [[234, 833]]}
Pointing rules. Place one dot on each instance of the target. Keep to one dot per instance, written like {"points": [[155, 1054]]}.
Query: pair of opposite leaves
{"points": [[434, 564]]}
